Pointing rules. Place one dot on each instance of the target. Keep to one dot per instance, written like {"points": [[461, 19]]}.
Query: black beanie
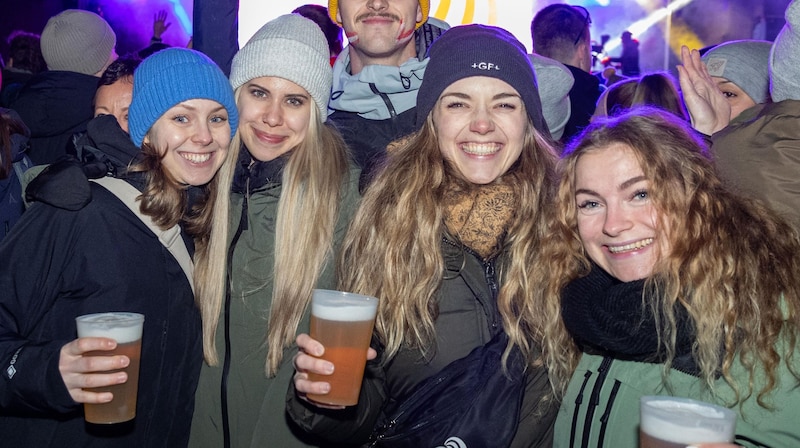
{"points": [[479, 50]]}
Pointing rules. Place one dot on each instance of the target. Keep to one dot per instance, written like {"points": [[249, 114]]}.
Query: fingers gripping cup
{"points": [[126, 329], [672, 422], [342, 322]]}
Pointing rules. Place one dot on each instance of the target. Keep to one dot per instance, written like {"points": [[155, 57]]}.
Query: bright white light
{"points": [[640, 26]]}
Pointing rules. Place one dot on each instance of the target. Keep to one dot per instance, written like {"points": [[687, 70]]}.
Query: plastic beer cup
{"points": [[672, 422], [126, 329], [342, 322]]}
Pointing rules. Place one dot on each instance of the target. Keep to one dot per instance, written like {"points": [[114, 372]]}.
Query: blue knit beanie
{"points": [[479, 50], [172, 76]]}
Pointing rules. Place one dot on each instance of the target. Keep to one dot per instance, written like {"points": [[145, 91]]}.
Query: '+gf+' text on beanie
{"points": [[77, 41], [425, 5], [289, 47], [170, 77], [479, 50], [744, 63]]}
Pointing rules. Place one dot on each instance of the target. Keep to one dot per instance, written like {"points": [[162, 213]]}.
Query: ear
{"points": [[338, 15], [419, 13], [146, 139]]}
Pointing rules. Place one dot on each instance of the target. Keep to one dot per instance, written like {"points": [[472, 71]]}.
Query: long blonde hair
{"points": [[732, 265], [392, 249], [306, 217]]}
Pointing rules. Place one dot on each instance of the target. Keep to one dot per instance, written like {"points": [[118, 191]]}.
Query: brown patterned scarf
{"points": [[479, 217]]}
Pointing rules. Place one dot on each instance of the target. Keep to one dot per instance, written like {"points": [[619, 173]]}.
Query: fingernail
{"points": [[329, 368], [326, 388]]}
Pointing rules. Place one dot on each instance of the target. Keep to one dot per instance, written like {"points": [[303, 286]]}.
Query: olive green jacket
{"points": [[255, 403]]}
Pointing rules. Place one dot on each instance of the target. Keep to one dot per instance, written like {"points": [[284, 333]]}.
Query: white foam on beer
{"points": [[347, 313], [118, 326], [662, 428]]}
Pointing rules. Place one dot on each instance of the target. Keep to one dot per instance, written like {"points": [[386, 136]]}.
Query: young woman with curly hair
{"points": [[664, 282]]}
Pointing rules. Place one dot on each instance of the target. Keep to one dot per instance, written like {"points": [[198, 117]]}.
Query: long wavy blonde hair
{"points": [[306, 218], [733, 263], [393, 247]]}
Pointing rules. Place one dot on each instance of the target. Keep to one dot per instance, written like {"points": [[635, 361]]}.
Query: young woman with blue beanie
{"points": [[292, 197], [447, 238], [82, 248]]}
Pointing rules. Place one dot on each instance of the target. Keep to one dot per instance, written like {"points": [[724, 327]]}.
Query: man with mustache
{"points": [[376, 77]]}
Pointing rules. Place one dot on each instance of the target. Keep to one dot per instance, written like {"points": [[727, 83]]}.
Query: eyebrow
{"points": [[291, 94], [625, 185], [499, 96], [194, 109]]}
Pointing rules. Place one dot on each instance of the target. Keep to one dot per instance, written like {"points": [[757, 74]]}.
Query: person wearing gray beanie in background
{"points": [[755, 151], [741, 71], [77, 46], [447, 237], [292, 197], [147, 236]]}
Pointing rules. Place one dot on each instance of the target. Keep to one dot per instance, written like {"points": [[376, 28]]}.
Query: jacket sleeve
{"points": [[34, 256], [784, 63], [352, 425], [538, 412]]}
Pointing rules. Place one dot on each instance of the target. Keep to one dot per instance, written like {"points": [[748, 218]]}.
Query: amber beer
{"points": [[126, 329], [342, 322], [672, 422]]}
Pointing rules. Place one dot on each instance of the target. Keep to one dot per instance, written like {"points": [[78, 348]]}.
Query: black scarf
{"points": [[605, 316]]}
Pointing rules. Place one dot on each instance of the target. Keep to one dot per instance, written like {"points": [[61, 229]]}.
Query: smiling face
{"points": [[193, 138], [736, 97], [274, 114], [380, 30], [617, 221], [115, 99], [480, 123]]}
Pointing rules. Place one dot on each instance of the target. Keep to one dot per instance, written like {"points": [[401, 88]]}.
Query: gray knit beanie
{"points": [[289, 47], [555, 81], [744, 63], [77, 41]]}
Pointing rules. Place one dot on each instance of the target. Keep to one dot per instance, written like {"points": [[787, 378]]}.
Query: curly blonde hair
{"points": [[733, 262], [393, 247]]}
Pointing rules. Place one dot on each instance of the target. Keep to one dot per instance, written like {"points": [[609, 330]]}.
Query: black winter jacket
{"points": [[467, 318], [80, 250], [55, 105]]}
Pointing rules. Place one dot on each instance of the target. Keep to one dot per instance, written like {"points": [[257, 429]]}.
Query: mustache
{"points": [[384, 15]]}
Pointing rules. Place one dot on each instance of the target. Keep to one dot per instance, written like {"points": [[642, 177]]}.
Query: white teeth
{"points": [[196, 158], [480, 149], [633, 246]]}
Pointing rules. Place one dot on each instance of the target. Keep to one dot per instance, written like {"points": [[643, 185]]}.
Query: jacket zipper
{"points": [[578, 402], [594, 399], [226, 365], [604, 418]]}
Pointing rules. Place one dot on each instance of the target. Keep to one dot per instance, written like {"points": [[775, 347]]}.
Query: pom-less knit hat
{"points": [[289, 47], [77, 41], [744, 63], [479, 50], [170, 77], [425, 5]]}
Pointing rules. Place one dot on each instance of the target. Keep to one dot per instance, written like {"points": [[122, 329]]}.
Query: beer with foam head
{"points": [[126, 329], [342, 323], [672, 422]]}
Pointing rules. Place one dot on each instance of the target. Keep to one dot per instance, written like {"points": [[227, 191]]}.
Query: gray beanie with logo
{"points": [[744, 63], [289, 47], [77, 41]]}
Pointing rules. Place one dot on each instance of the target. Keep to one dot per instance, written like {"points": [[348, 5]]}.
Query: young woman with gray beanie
{"points": [[83, 248], [292, 197], [447, 238]]}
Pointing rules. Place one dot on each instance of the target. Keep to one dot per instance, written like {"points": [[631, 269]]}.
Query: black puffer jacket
{"points": [[80, 250]]}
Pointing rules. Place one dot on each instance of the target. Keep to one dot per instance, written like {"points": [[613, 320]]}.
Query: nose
{"points": [[273, 115], [617, 220], [377, 5], [482, 122], [202, 135]]}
